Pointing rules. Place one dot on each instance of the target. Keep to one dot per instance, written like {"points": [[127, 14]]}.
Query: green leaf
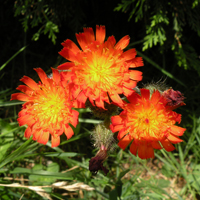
{"points": [[123, 173], [22, 49], [44, 173], [113, 195], [161, 69], [62, 155], [44, 180], [14, 155], [6, 138]]}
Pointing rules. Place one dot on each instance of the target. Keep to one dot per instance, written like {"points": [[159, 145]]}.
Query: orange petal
{"points": [[75, 91], [82, 40], [55, 141], [178, 118], [142, 151], [56, 75], [124, 142], [60, 131], [135, 75], [89, 35], [82, 98], [99, 102], [44, 138], [110, 43], [28, 132], [134, 148], [130, 84], [156, 145], [127, 91], [20, 97], [66, 66], [145, 94], [26, 119], [68, 54], [116, 120], [130, 54], [173, 139], [117, 128], [36, 134], [68, 131], [25, 89], [22, 113], [78, 104], [100, 33], [43, 76], [145, 150], [91, 100], [74, 119], [133, 98], [155, 97], [123, 43], [116, 98], [136, 62], [150, 152], [167, 145], [176, 130], [30, 82], [122, 133], [71, 45], [119, 89]]}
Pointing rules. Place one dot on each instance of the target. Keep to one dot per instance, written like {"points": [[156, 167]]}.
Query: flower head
{"points": [[100, 70], [148, 123], [48, 108]]}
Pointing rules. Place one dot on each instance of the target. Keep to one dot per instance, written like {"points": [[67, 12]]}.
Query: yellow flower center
{"points": [[50, 107], [147, 121], [101, 70]]}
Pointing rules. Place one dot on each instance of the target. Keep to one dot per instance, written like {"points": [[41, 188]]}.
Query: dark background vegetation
{"points": [[165, 33]]}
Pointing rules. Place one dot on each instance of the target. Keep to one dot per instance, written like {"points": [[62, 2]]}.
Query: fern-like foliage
{"points": [[155, 33], [47, 15], [37, 12], [136, 5], [166, 23]]}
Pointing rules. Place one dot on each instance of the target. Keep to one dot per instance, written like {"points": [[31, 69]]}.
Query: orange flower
{"points": [[48, 108], [100, 68], [149, 123]]}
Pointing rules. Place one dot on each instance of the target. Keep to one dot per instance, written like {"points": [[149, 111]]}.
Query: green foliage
{"points": [[37, 13], [155, 32], [166, 23], [136, 5], [47, 15]]}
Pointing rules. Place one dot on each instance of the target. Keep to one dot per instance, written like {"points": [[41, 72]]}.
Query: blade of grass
{"points": [[184, 170], [14, 155], [90, 121], [11, 103], [22, 49], [160, 68], [166, 162]]}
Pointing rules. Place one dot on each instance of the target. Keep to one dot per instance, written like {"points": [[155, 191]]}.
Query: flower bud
{"points": [[174, 98], [104, 142], [160, 86]]}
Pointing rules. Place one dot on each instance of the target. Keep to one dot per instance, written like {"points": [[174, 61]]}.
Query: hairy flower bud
{"points": [[104, 142], [159, 85]]}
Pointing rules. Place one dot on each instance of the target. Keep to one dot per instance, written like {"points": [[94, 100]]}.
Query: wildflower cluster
{"points": [[100, 75]]}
